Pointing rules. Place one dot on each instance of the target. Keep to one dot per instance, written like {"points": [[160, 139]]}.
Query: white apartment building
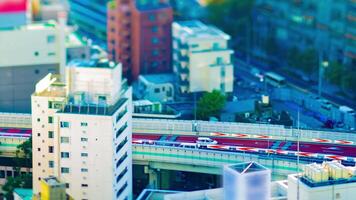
{"points": [[202, 59], [82, 131]]}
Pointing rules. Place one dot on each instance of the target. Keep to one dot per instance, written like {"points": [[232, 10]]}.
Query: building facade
{"points": [[328, 26], [156, 87], [139, 36], [22, 64], [201, 58], [90, 17], [83, 131]]}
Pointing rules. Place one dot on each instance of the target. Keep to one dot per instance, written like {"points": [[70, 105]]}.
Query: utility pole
{"points": [[322, 65]]}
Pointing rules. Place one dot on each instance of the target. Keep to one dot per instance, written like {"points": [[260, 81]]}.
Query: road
{"points": [[334, 149]]}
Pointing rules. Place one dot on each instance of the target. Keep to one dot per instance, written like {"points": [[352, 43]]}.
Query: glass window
{"points": [[50, 134], [64, 154], [64, 170], [84, 154], [50, 149], [51, 39], [64, 139], [157, 90], [154, 40], [51, 164], [154, 29], [84, 139], [84, 170], [152, 17], [83, 124], [50, 120], [64, 124]]}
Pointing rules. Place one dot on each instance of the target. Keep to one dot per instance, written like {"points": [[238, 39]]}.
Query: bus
{"points": [[274, 79]]}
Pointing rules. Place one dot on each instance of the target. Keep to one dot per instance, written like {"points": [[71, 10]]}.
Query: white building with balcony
{"points": [[83, 131], [202, 59]]}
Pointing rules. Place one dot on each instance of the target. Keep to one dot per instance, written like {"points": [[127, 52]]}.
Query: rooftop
{"points": [[247, 167], [25, 194], [152, 194], [51, 24], [196, 28], [158, 78], [52, 181], [99, 63], [93, 109], [50, 86]]}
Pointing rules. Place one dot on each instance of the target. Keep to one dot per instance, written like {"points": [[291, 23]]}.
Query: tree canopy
{"points": [[210, 105]]}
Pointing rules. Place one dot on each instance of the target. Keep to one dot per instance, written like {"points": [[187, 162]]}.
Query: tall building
{"points": [[139, 36], [247, 181], [326, 25], [90, 17], [51, 188], [331, 180], [82, 131], [202, 59], [22, 63]]}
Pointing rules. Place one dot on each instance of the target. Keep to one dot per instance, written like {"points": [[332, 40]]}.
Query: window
{"points": [[157, 90], [50, 120], [38, 134], [39, 164], [84, 139], [83, 124], [64, 124], [194, 45], [38, 149], [64, 154], [36, 53], [50, 104], [38, 119], [64, 139], [2, 174], [84, 154], [155, 52], [50, 134], [152, 17], [51, 164], [154, 29], [84, 185], [102, 99], [154, 40], [50, 149], [8, 173], [84, 170], [64, 170], [51, 39], [51, 54]]}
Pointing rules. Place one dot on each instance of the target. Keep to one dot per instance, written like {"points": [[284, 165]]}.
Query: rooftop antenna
{"points": [[298, 152]]}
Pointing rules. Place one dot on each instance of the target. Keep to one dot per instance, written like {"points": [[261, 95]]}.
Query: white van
{"points": [[203, 141]]}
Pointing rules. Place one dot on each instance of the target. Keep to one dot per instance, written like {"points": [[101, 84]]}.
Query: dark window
{"points": [[50, 149], [8, 173], [152, 17], [2, 174], [84, 185], [50, 134], [36, 53], [157, 90], [50, 120]]}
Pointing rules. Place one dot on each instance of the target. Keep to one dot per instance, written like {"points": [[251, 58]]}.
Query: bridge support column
{"points": [[152, 177]]}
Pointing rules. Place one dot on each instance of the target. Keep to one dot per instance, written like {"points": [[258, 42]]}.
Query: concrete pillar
{"points": [[152, 177]]}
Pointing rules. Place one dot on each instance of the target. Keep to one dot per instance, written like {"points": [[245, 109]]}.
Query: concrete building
{"points": [[139, 35], [83, 131], [202, 59], [13, 13], [331, 180], [156, 87]]}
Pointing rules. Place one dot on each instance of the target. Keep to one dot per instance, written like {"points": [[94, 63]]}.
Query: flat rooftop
{"points": [[51, 24], [159, 78], [197, 29]]}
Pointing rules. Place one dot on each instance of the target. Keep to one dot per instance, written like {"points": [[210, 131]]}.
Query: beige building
{"points": [[202, 59], [82, 131]]}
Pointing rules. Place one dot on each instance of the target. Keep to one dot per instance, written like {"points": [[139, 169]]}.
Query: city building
{"points": [[156, 87], [331, 180], [202, 59], [139, 35], [328, 26], [22, 63], [82, 131], [22, 194], [52, 188], [90, 18]]}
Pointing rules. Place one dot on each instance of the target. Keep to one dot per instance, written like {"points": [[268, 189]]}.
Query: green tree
{"points": [[334, 73], [210, 104], [23, 180]]}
